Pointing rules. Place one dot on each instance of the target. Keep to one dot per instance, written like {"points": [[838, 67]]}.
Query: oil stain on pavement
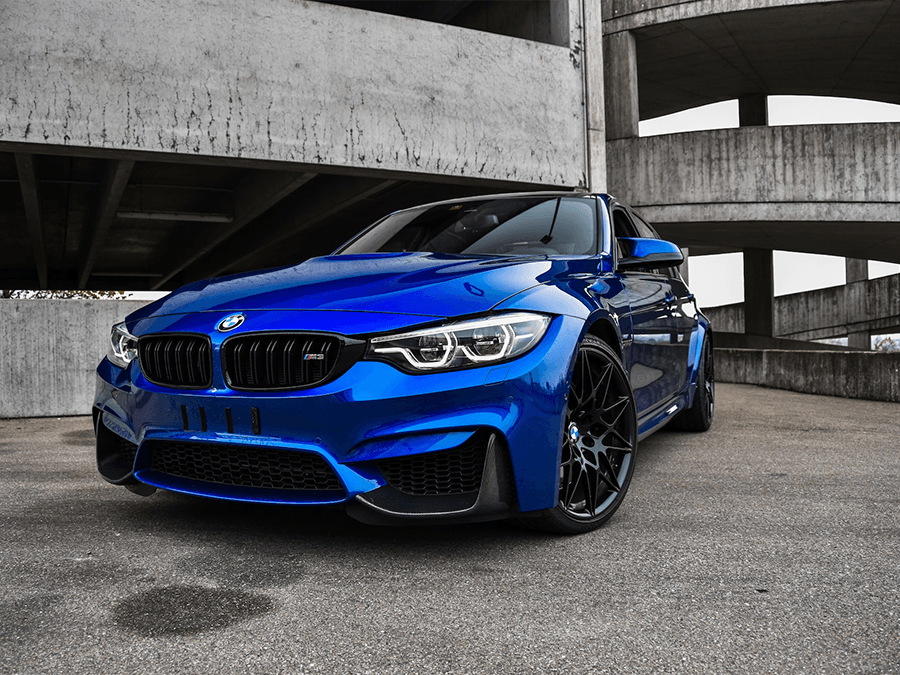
{"points": [[187, 610]]}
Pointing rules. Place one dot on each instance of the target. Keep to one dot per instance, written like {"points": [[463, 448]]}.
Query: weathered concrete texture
{"points": [[624, 15], [49, 350], [868, 375], [864, 306], [621, 95], [832, 189], [798, 164], [292, 81]]}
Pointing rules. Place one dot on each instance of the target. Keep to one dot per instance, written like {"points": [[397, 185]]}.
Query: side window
{"points": [[622, 227], [646, 230], [643, 227]]}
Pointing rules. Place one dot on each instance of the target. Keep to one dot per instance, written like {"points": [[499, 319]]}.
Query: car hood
{"points": [[426, 284]]}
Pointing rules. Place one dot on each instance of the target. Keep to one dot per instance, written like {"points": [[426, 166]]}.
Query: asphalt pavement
{"points": [[770, 544]]}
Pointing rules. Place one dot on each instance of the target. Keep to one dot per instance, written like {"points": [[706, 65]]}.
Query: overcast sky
{"points": [[718, 279]]}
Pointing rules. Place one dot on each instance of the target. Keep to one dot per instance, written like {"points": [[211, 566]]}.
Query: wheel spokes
{"points": [[608, 474], [596, 459], [591, 398]]}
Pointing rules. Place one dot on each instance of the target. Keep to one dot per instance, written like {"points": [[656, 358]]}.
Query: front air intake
{"points": [[272, 361], [245, 466], [449, 472], [179, 360]]}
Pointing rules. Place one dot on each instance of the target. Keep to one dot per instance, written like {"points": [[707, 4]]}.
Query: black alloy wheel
{"points": [[699, 416], [599, 443]]}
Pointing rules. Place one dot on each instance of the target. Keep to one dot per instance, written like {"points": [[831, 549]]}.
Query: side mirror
{"points": [[644, 252]]}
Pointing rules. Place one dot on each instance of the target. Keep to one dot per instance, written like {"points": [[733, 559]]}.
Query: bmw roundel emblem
{"points": [[230, 323]]}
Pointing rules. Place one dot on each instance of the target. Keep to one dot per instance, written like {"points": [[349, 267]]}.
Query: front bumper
{"points": [[367, 416]]}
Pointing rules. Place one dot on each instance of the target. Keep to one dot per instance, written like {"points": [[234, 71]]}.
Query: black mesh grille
{"points": [[176, 360], [127, 449], [278, 361], [448, 472], [246, 466]]}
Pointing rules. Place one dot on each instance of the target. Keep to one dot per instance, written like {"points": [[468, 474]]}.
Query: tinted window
{"points": [[646, 230], [509, 226], [622, 227], [643, 227]]}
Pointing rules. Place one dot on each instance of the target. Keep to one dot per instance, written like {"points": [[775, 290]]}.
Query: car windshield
{"points": [[507, 226]]}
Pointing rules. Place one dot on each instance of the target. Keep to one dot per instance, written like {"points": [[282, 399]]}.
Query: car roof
{"points": [[510, 195]]}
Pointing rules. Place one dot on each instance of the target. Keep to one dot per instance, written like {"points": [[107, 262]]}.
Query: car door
{"points": [[653, 366], [681, 307]]}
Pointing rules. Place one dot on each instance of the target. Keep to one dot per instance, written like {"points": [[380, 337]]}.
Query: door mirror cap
{"points": [[646, 252]]}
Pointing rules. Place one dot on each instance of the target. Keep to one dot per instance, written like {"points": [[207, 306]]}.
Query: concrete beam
{"points": [[302, 212], [759, 292], [255, 193], [831, 189], [112, 186], [753, 110], [625, 15], [284, 81], [620, 78], [28, 184], [857, 270], [828, 164]]}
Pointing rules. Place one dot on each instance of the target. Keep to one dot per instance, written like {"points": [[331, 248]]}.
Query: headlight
{"points": [[122, 346], [461, 345]]}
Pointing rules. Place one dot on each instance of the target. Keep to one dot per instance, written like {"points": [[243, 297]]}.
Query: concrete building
{"points": [[830, 189], [148, 144]]}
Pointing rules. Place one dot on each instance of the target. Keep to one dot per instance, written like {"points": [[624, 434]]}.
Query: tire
{"points": [[699, 416], [599, 443]]}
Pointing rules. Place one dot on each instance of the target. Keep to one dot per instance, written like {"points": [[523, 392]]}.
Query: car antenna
{"points": [[549, 236]]}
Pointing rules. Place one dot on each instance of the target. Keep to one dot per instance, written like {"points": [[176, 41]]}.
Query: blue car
{"points": [[476, 359]]}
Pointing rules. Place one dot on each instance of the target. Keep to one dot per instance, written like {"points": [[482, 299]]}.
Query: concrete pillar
{"points": [[759, 292], [620, 74], [857, 270], [594, 94], [753, 110]]}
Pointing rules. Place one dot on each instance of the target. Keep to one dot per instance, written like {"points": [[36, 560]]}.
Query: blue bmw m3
{"points": [[476, 359]]}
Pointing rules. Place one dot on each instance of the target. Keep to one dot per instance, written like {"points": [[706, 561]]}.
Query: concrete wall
{"points": [[867, 375], [49, 350], [762, 173], [289, 81], [863, 306]]}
